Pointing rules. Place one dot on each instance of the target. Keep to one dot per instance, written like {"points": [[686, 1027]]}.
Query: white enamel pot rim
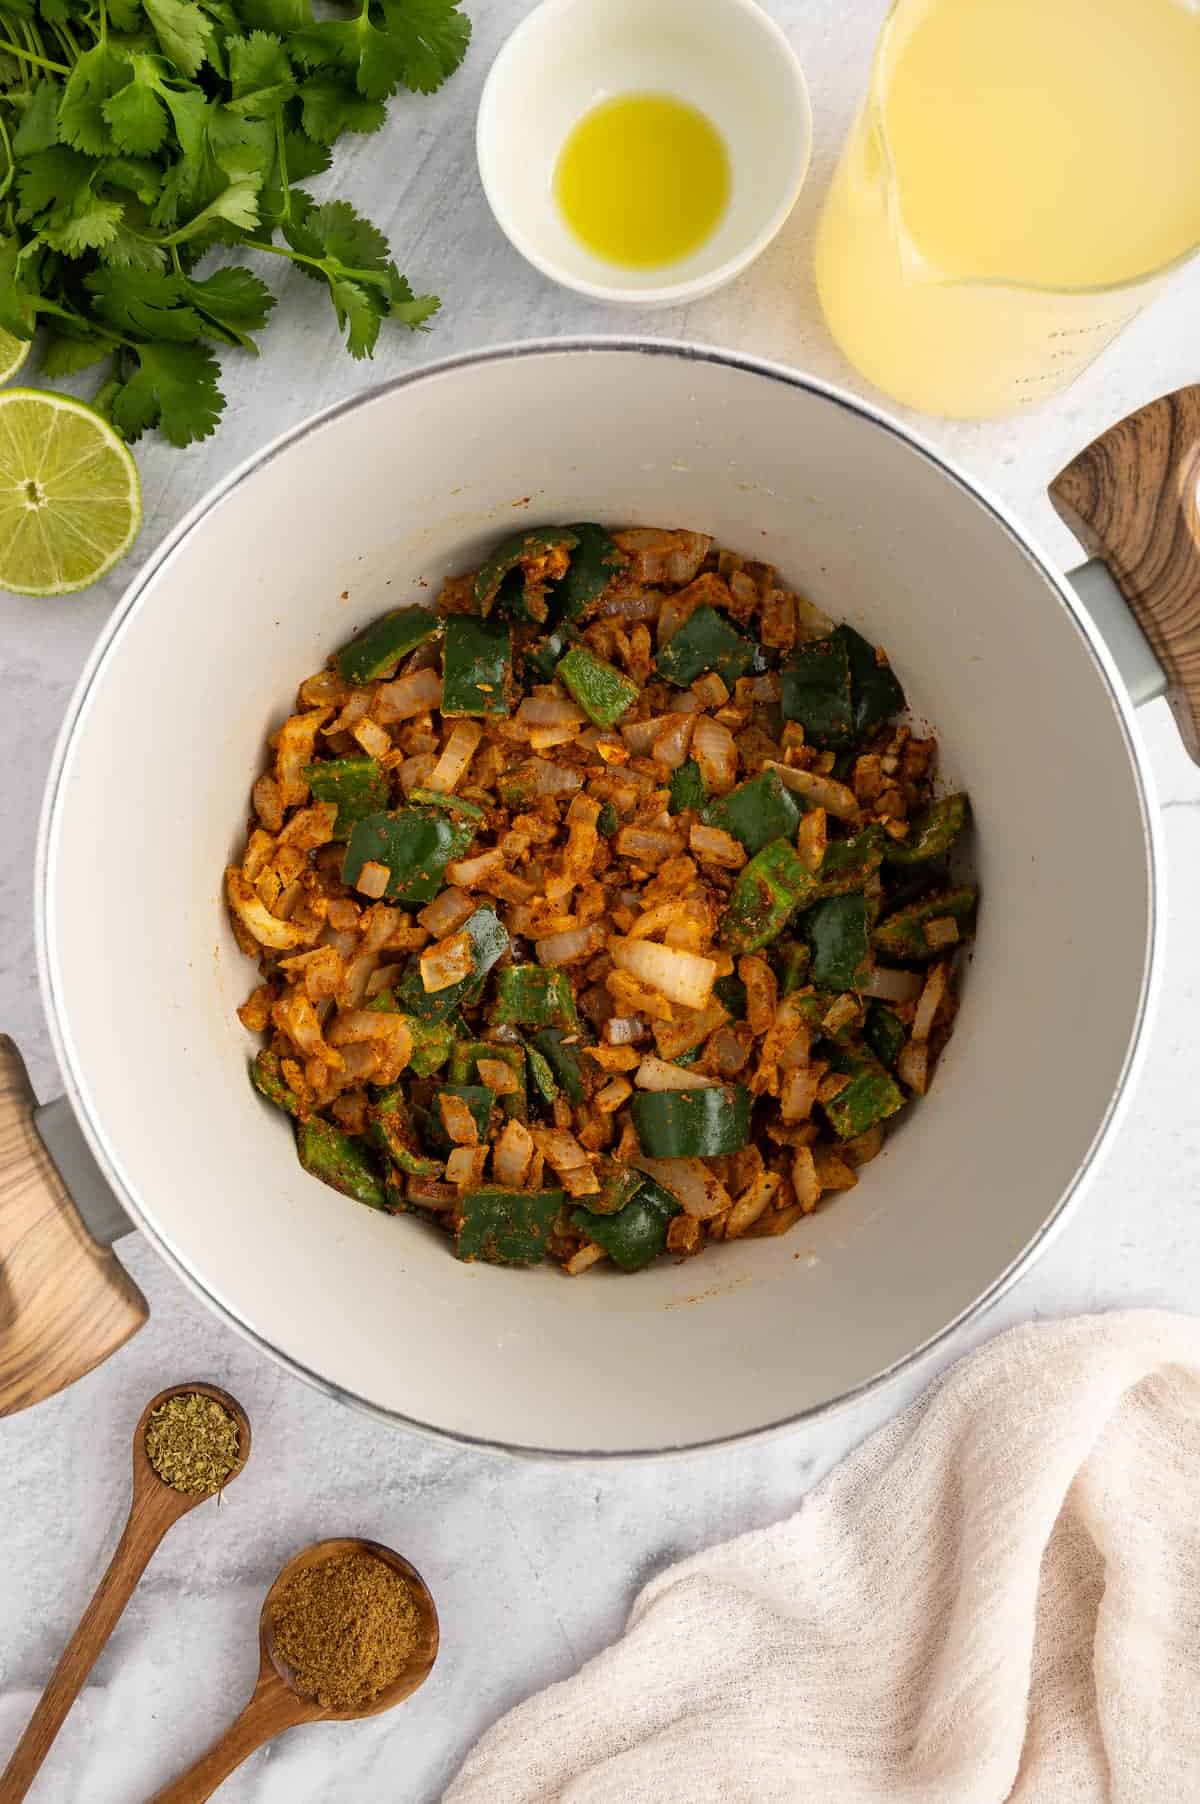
{"points": [[1141, 961]]}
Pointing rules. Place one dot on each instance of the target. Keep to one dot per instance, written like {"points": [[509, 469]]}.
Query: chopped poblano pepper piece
{"points": [[340, 1160], [267, 1077], [767, 893], [599, 688], [489, 941], [390, 1128], [756, 812], [618, 1183], [540, 1072], [540, 553], [533, 996], [562, 1056], [705, 641], [639, 1233], [730, 992], [794, 960], [456, 805], [838, 932], [476, 666], [380, 647], [902, 935], [932, 833], [607, 821], [815, 690], [692, 1124], [871, 1095], [478, 1098], [595, 560], [884, 1033], [849, 863], [416, 845], [691, 1057], [357, 786], [687, 788], [548, 653], [507, 1227], [877, 691]]}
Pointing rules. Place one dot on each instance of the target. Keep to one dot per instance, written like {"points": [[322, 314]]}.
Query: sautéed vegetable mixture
{"points": [[605, 911]]}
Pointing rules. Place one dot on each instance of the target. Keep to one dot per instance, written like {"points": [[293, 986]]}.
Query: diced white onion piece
{"points": [[511, 1154], [373, 879], [464, 1167], [408, 696], [588, 1255], [457, 1119], [372, 738], [616, 1091], [552, 779], [294, 746], [714, 750], [805, 1181], [715, 846], [468, 873], [656, 1074], [912, 1067], [457, 754], [893, 986], [544, 739], [941, 932], [431, 1193], [639, 735], [623, 1030], [754, 1200], [416, 771], [683, 977], [701, 1193], [821, 792], [563, 1153], [258, 920], [499, 1076], [669, 746], [932, 997], [550, 711], [448, 911], [647, 845], [571, 947], [447, 962], [798, 1092]]}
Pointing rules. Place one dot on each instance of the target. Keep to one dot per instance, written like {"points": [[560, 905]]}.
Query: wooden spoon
{"points": [[155, 1507], [276, 1704]]}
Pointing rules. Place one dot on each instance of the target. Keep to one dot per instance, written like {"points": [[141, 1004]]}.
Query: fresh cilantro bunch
{"points": [[135, 135]]}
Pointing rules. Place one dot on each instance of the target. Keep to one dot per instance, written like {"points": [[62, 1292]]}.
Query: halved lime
{"points": [[13, 352], [70, 500]]}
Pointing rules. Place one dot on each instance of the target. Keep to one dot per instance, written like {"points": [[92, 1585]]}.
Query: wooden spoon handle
{"points": [[1131, 498], [65, 1302], [143, 1532], [272, 1708]]}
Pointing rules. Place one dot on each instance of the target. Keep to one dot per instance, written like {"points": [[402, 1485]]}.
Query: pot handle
{"points": [[1132, 500], [65, 1301]]}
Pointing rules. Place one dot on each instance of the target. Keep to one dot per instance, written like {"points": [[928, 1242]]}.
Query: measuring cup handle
{"points": [[65, 1302], [1132, 500]]}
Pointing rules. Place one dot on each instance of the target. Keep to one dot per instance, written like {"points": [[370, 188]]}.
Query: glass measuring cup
{"points": [[1021, 178]]}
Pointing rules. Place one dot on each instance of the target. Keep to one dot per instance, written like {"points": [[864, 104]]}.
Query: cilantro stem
{"points": [[31, 56], [377, 278], [281, 154]]}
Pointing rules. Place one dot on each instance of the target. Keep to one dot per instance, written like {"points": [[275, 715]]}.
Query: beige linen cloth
{"points": [[996, 1597]]}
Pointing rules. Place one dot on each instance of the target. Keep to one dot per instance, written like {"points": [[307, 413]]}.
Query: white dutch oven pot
{"points": [[356, 512]]}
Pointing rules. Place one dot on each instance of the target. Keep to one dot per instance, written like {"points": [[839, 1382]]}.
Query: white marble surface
{"points": [[533, 1566]]}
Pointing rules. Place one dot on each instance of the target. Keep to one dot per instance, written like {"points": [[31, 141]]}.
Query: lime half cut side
{"points": [[70, 500], [13, 352]]}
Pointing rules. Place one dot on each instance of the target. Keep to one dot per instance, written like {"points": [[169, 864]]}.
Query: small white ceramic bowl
{"points": [[725, 57]]}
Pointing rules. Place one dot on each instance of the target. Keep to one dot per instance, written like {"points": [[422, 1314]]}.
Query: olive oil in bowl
{"points": [[643, 180]]}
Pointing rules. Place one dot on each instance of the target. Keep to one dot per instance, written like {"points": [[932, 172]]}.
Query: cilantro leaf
{"points": [[143, 303], [337, 232], [235, 205], [304, 156], [135, 114], [359, 314], [97, 75], [376, 60], [331, 106], [432, 36], [88, 224], [409, 309], [127, 249], [232, 304], [125, 15], [260, 73], [38, 129], [64, 356], [138, 174], [19, 300], [280, 16], [183, 31], [52, 178], [174, 388]]}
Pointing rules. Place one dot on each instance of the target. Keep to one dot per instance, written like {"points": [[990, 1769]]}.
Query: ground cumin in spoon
{"points": [[347, 1628]]}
